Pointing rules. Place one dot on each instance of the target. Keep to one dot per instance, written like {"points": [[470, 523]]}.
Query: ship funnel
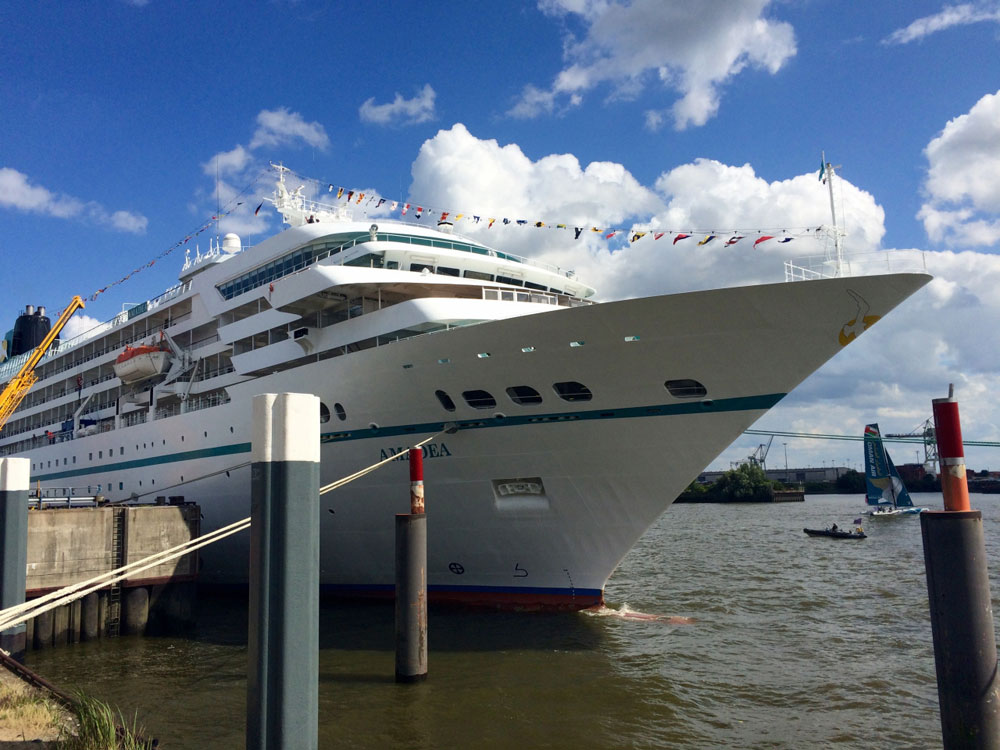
{"points": [[29, 309]]}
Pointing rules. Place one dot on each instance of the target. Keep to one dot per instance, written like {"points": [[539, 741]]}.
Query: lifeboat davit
{"points": [[140, 362]]}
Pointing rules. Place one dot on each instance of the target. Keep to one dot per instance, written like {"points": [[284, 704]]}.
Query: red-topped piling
{"points": [[416, 480], [958, 589], [411, 580], [948, 431]]}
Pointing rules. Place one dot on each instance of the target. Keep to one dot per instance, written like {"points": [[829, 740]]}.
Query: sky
{"points": [[126, 125]]}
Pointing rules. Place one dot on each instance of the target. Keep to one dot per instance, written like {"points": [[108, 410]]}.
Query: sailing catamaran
{"points": [[886, 493]]}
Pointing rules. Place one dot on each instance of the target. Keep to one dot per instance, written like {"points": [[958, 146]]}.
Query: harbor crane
{"points": [[18, 387], [925, 431], [758, 457]]}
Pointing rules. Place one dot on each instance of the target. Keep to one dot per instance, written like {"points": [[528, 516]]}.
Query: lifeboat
{"points": [[140, 362]]}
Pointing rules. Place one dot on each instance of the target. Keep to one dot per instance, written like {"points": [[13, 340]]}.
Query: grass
{"points": [[26, 715], [101, 728]]}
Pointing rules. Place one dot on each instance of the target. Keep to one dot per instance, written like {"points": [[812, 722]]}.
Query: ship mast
{"points": [[827, 174]]}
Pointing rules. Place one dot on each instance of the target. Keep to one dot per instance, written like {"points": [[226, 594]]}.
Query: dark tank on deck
{"points": [[30, 329]]}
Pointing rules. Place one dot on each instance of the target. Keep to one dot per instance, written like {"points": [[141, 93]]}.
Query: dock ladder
{"points": [[118, 561]]}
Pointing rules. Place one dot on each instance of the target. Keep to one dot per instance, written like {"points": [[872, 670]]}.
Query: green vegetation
{"points": [[851, 482], [746, 483], [26, 715], [31, 715], [99, 728]]}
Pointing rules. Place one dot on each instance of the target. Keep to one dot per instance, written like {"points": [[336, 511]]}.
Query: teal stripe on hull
{"points": [[745, 403]]}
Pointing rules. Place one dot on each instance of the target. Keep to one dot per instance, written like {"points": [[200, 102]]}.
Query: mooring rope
{"points": [[358, 474], [23, 612]]}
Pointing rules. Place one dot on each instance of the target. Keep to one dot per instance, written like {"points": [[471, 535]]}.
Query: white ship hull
{"points": [[594, 475]]}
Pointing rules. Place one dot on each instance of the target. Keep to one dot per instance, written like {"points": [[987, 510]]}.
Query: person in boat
{"points": [[834, 528]]}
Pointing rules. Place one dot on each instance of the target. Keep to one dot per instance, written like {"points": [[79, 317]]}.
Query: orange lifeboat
{"points": [[137, 363]]}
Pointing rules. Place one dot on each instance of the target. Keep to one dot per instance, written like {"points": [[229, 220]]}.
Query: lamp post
{"points": [[786, 456]]}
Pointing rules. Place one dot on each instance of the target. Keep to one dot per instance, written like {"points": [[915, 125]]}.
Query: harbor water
{"points": [[793, 642]]}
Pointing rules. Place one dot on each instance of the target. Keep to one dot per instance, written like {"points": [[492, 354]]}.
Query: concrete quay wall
{"points": [[72, 545]]}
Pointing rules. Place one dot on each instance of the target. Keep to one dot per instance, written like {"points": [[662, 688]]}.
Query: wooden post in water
{"points": [[411, 580], [283, 644], [14, 476], [958, 588]]}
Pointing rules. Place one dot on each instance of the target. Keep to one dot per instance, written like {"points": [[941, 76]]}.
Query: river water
{"points": [[795, 642]]}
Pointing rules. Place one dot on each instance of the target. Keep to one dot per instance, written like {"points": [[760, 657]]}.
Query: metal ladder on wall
{"points": [[117, 561]]}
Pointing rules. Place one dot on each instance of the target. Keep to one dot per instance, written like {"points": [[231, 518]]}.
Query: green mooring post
{"points": [[283, 643], [14, 475]]}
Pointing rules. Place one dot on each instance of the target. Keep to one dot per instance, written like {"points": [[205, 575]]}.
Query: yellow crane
{"points": [[15, 391]]}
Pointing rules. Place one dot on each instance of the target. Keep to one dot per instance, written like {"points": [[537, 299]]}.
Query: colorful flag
{"points": [[258, 208], [681, 237], [763, 238], [822, 171], [733, 240], [658, 235], [787, 239], [638, 236], [707, 239]]}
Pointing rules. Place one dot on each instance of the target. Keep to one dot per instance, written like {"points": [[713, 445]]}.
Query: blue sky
{"points": [[116, 117]]}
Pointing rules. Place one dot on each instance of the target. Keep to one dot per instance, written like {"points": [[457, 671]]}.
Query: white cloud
{"points": [[277, 127], [401, 111], [694, 48], [227, 162], [17, 192], [126, 221], [963, 178], [949, 16], [946, 333], [80, 324]]}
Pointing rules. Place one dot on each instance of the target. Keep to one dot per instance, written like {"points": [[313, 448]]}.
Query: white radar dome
{"points": [[231, 243]]}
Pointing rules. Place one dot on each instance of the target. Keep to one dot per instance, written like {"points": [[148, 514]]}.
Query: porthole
{"points": [[445, 400], [230, 429], [524, 394], [571, 390], [479, 399], [341, 414], [206, 433], [324, 413], [686, 388], [120, 485]]}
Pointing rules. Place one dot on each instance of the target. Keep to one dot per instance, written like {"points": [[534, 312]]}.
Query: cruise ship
{"points": [[560, 428]]}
